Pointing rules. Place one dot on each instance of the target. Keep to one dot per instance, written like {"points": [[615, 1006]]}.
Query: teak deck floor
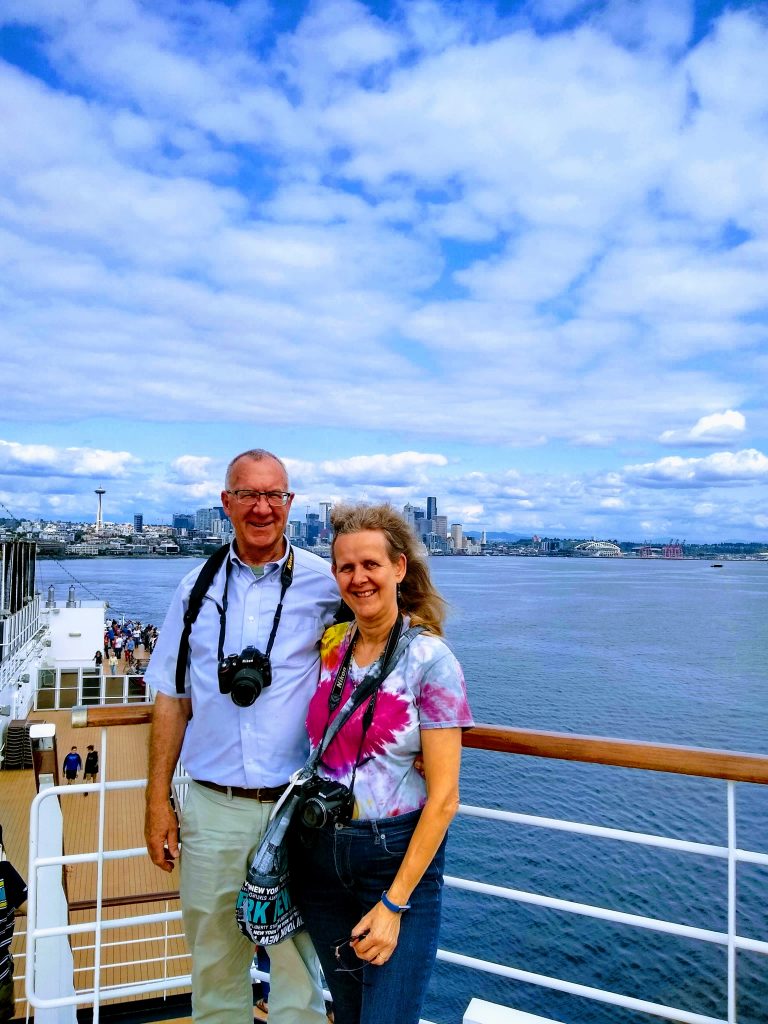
{"points": [[124, 949]]}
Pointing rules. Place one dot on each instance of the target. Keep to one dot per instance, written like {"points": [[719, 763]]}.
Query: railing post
{"points": [[731, 902], [99, 879], [165, 952]]}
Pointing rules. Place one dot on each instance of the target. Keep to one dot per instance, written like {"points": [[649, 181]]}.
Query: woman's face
{"points": [[366, 576]]}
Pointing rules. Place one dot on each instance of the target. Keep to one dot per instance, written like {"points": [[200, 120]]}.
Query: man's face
{"points": [[258, 526]]}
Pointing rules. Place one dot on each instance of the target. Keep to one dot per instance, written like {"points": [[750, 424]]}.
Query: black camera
{"points": [[244, 676], [325, 802]]}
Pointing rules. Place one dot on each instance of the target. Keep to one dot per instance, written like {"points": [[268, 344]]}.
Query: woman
{"points": [[370, 890]]}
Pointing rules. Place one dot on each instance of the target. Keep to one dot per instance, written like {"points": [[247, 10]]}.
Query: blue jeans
{"points": [[337, 875]]}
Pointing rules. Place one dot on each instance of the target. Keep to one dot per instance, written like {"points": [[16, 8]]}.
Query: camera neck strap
{"points": [[286, 579], [397, 644]]}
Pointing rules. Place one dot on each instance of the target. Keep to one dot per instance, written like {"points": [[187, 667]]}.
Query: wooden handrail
{"points": [[97, 715], [657, 757]]}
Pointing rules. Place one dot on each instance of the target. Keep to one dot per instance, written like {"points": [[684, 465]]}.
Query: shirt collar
{"points": [[269, 567]]}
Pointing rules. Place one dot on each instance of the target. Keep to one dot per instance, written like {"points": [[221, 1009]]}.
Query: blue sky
{"points": [[513, 255]]}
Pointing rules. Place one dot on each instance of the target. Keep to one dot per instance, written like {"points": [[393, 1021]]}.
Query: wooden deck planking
{"points": [[124, 824]]}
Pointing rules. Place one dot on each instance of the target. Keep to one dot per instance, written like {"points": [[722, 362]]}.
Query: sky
{"points": [[512, 255]]}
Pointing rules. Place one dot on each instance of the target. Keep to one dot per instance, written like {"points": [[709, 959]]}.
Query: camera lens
{"points": [[313, 813], [246, 687]]}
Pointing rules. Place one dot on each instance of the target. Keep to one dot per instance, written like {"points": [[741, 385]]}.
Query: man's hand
{"points": [[161, 831], [161, 827]]}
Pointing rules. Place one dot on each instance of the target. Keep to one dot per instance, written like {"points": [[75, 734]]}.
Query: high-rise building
{"points": [[413, 516], [457, 534], [325, 514], [183, 521], [138, 523], [313, 527], [205, 517], [431, 508], [439, 525]]}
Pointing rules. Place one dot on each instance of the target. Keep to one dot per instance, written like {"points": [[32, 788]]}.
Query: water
{"points": [[671, 652]]}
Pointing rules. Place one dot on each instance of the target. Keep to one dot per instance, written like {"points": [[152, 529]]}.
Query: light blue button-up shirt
{"points": [[263, 744]]}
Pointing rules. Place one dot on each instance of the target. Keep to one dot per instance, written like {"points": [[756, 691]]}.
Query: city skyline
{"points": [[440, 535], [512, 254]]}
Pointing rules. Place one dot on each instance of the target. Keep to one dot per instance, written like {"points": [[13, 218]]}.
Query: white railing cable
{"points": [[598, 831], [572, 988], [731, 812], [603, 913], [99, 880]]}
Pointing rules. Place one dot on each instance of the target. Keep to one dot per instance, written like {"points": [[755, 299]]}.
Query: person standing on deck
{"points": [[239, 756], [13, 892], [91, 769], [72, 765]]}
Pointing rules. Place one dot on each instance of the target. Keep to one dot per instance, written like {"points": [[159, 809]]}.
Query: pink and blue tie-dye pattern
{"points": [[425, 690]]}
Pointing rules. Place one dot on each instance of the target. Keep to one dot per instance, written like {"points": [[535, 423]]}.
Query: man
{"points": [[72, 765], [240, 757], [13, 892]]}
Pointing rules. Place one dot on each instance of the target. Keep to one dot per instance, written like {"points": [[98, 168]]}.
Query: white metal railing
{"points": [[18, 948], [64, 687], [729, 938], [16, 632]]}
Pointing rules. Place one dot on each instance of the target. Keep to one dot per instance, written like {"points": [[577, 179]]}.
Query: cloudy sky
{"points": [[510, 254]]}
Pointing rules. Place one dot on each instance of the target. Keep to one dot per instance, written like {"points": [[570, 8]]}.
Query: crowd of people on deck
{"points": [[125, 640]]}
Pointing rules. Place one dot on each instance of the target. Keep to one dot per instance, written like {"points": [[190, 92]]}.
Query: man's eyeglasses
{"points": [[274, 498]]}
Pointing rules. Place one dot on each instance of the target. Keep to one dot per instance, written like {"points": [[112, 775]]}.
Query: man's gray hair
{"points": [[257, 454]]}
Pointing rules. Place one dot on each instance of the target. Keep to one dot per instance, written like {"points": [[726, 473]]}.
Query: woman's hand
{"points": [[375, 936]]}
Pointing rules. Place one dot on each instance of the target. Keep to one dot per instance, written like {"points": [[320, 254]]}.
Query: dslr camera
{"points": [[325, 802], [243, 676]]}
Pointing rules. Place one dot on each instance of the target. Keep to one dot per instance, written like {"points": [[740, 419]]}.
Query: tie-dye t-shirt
{"points": [[425, 690]]}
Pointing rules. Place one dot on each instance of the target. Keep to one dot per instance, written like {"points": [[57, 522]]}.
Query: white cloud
{"points": [[725, 468], [716, 429], [46, 460], [402, 469], [192, 468], [438, 230]]}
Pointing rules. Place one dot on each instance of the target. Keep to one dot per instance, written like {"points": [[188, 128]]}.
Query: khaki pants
{"points": [[219, 836]]}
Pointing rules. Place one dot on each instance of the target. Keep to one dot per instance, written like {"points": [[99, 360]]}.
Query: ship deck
{"points": [[132, 954], [133, 881], [142, 882]]}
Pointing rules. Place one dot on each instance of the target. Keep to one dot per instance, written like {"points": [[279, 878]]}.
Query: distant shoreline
{"points": [[706, 557]]}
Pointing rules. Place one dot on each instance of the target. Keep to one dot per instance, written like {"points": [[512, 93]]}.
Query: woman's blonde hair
{"points": [[418, 597]]}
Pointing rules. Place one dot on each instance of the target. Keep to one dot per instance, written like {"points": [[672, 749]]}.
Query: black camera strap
{"points": [[366, 689], [334, 698], [397, 644], [200, 588], [286, 579]]}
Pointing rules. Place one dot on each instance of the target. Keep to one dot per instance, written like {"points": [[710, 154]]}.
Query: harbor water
{"points": [[669, 652]]}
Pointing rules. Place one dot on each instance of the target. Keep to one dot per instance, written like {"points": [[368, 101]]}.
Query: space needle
{"points": [[99, 518]]}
